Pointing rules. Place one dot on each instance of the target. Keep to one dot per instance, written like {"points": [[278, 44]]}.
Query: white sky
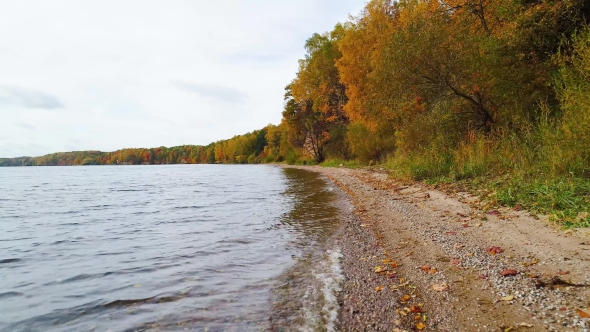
{"points": [[105, 75]]}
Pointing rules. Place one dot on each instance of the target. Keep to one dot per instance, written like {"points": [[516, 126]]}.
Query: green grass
{"points": [[344, 163], [564, 198]]}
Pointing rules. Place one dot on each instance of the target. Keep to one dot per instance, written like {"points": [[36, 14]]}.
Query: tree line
{"points": [[248, 148]]}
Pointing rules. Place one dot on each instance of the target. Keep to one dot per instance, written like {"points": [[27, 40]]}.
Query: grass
{"points": [[338, 162], [565, 200], [505, 173]]}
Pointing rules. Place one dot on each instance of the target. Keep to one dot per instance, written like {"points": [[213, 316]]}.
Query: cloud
{"points": [[26, 126], [215, 92], [254, 58], [21, 97]]}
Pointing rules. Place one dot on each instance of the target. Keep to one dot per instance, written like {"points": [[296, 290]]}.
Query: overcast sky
{"points": [[105, 75]]}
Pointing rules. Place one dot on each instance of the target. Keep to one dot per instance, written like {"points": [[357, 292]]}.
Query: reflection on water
{"points": [[197, 247]]}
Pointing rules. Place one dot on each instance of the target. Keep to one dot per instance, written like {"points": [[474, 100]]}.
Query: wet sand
{"points": [[415, 258]]}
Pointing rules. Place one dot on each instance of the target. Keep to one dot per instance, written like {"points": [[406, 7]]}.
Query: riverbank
{"points": [[416, 258]]}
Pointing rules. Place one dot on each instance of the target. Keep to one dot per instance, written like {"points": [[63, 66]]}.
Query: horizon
{"points": [[107, 76]]}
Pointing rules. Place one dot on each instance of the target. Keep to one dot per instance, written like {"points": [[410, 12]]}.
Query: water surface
{"points": [[176, 247]]}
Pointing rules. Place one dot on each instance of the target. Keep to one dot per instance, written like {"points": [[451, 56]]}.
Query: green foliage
{"points": [[338, 162], [291, 157]]}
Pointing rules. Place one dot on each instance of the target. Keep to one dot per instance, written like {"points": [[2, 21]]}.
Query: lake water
{"points": [[166, 248]]}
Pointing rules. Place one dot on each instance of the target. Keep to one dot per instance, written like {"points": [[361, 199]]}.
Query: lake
{"points": [[166, 248]]}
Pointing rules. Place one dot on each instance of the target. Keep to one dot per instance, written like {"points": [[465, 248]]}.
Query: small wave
{"points": [[145, 212], [17, 239], [114, 253], [10, 294], [67, 212], [80, 277], [9, 260], [234, 241], [331, 279], [332, 286], [63, 241], [188, 207]]}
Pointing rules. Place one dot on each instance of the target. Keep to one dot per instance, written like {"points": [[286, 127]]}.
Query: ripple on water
{"points": [[98, 250]]}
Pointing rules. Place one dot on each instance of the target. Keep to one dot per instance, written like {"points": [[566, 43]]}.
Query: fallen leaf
{"points": [[563, 308], [451, 233], [416, 309], [531, 263], [405, 298], [483, 276], [583, 313], [380, 288], [440, 287], [563, 272], [420, 326], [459, 246], [494, 212], [495, 250], [508, 298], [394, 265], [525, 325], [380, 269], [432, 270], [508, 272], [425, 268]]}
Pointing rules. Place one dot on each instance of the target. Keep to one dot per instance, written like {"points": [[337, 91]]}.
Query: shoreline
{"points": [[416, 258]]}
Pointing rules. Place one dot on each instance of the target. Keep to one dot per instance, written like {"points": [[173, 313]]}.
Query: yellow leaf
{"points": [[531, 263], [508, 298], [420, 326], [405, 298], [380, 269], [380, 288]]}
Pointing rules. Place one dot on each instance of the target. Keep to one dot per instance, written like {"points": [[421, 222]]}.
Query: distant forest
{"points": [[247, 148]]}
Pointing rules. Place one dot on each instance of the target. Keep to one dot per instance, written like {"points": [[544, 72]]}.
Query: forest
{"points": [[248, 148], [494, 92]]}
